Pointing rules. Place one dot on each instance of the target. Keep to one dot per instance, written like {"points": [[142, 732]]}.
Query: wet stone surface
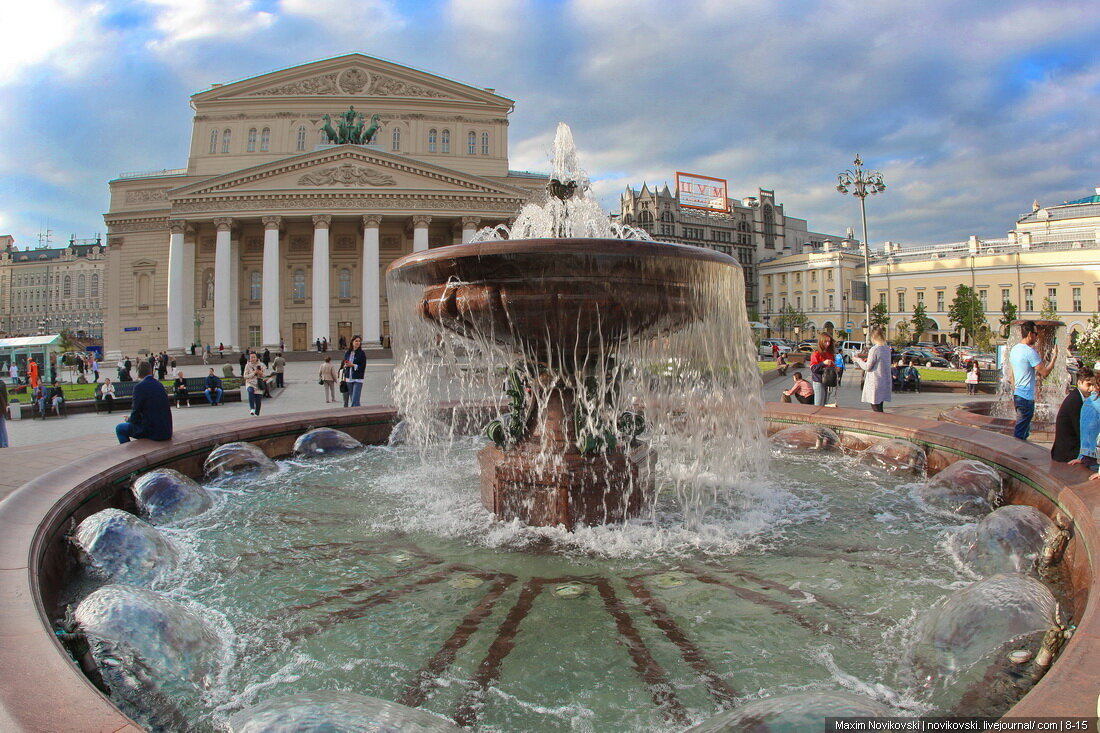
{"points": [[804, 712], [1011, 539], [806, 437], [896, 457], [124, 549], [966, 488]]}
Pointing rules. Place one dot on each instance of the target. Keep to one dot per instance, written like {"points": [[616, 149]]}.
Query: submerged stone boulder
{"points": [[242, 460], [1012, 539], [979, 650], [806, 437], [967, 488], [149, 650], [325, 442], [165, 495], [335, 712], [123, 548], [802, 711], [895, 456]]}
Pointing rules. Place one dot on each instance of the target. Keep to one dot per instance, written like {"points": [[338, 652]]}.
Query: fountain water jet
{"points": [[586, 334]]}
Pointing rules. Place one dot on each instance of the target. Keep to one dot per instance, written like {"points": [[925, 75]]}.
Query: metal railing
{"points": [[153, 174]]}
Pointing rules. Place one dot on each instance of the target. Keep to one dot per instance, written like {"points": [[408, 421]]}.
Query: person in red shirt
{"points": [[824, 356], [802, 391]]}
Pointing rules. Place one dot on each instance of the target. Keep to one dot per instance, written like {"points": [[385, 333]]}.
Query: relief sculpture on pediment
{"points": [[347, 174], [390, 87], [325, 84]]}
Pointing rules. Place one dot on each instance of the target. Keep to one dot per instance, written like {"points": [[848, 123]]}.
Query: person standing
{"points": [[253, 374], [356, 359], [823, 369], [972, 377], [151, 415], [1025, 365], [775, 351], [213, 389], [95, 369], [279, 364], [221, 350], [3, 415], [329, 375], [32, 372], [877, 383], [1068, 423], [13, 372], [243, 360], [205, 358], [266, 358]]}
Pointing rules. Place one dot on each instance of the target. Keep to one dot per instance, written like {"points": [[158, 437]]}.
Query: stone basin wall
{"points": [[42, 689]]}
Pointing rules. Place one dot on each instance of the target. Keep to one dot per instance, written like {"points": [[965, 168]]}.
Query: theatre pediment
{"points": [[345, 168], [350, 76]]}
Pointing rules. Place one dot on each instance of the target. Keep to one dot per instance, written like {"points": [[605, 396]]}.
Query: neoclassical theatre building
{"points": [[272, 234]]}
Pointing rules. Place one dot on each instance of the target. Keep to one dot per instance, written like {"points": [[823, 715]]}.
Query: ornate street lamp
{"points": [[861, 184]]}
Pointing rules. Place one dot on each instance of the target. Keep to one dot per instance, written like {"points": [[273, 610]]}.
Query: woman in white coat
{"points": [[877, 383]]}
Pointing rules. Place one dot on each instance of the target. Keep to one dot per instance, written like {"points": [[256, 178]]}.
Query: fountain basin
{"points": [[43, 691]]}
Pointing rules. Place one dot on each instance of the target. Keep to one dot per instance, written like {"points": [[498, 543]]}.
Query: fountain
{"points": [[585, 332]]}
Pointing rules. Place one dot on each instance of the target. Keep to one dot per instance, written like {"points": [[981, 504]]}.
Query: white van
{"points": [[851, 349]]}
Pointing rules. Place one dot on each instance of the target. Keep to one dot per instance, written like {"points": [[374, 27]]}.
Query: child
{"points": [[972, 378]]}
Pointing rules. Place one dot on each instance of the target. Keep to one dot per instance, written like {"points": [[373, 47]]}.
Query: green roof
{"points": [[1087, 200]]}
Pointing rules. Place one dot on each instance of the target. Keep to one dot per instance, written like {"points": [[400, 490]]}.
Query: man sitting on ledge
{"points": [[213, 389], [151, 416]]}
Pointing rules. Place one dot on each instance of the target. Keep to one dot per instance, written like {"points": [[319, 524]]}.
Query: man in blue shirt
{"points": [[1026, 366], [213, 389], [151, 416]]}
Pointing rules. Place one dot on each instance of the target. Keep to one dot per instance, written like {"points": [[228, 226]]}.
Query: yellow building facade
{"points": [[1052, 256]]}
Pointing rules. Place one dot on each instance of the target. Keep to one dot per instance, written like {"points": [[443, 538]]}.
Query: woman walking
{"points": [[356, 359], [253, 373], [878, 382], [823, 373], [329, 375]]}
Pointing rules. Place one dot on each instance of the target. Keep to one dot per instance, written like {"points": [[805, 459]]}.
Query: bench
{"points": [[196, 389], [989, 376], [124, 395]]}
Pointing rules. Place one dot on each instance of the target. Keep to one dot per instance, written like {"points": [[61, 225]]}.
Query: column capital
{"points": [[223, 224], [321, 221], [273, 222], [177, 226], [470, 222], [421, 220], [372, 220]]}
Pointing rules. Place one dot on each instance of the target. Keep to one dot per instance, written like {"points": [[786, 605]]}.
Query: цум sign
{"points": [[701, 192]]}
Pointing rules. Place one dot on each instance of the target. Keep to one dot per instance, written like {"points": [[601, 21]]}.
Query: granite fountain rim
{"points": [[43, 690]]}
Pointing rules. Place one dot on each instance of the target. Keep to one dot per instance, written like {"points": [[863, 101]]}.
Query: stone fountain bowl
{"points": [[559, 300]]}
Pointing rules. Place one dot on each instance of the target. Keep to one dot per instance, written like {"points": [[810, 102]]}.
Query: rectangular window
{"points": [[920, 297], [1052, 295], [830, 302], [829, 275], [813, 302], [983, 295], [1077, 300], [1029, 299], [882, 298], [798, 303], [254, 337], [939, 300], [813, 276], [1006, 295], [901, 301], [797, 278]]}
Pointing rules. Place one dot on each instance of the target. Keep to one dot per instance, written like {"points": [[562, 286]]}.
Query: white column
{"points": [[469, 228], [271, 328], [176, 265], [223, 274], [420, 232], [320, 293], [235, 289], [371, 305], [189, 335]]}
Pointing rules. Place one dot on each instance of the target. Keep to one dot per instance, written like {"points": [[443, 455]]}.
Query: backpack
{"points": [[829, 376]]}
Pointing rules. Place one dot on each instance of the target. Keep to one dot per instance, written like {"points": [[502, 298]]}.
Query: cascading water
{"points": [[586, 335], [1050, 391]]}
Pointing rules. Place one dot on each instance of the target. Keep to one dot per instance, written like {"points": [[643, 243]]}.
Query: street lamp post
{"points": [[861, 184]]}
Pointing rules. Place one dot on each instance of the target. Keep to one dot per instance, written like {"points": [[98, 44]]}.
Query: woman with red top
{"points": [[824, 356]]}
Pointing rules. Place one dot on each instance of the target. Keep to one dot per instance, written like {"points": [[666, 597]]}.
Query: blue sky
{"points": [[970, 110]]}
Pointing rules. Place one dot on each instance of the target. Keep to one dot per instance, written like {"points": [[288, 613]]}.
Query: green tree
{"points": [[1049, 312], [1008, 315], [901, 338], [880, 316], [920, 321], [789, 319], [966, 313]]}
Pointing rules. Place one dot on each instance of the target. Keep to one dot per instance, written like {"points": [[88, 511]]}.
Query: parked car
{"points": [[766, 346], [921, 356], [851, 349]]}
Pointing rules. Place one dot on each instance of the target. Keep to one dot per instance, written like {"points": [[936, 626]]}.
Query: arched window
{"points": [[80, 289], [225, 141], [484, 143], [254, 285], [251, 146], [445, 141], [322, 138], [431, 140], [68, 291], [95, 286], [213, 141], [471, 143], [396, 144], [344, 286], [265, 139], [644, 217], [302, 137], [299, 286]]}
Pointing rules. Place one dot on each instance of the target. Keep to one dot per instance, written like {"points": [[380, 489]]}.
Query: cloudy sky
{"points": [[970, 109]]}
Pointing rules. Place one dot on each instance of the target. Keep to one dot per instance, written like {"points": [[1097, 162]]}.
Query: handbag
{"points": [[343, 386], [320, 381], [829, 376]]}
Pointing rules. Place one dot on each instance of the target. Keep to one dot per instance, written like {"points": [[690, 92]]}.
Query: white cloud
{"points": [[360, 19], [180, 21], [486, 21], [45, 31]]}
